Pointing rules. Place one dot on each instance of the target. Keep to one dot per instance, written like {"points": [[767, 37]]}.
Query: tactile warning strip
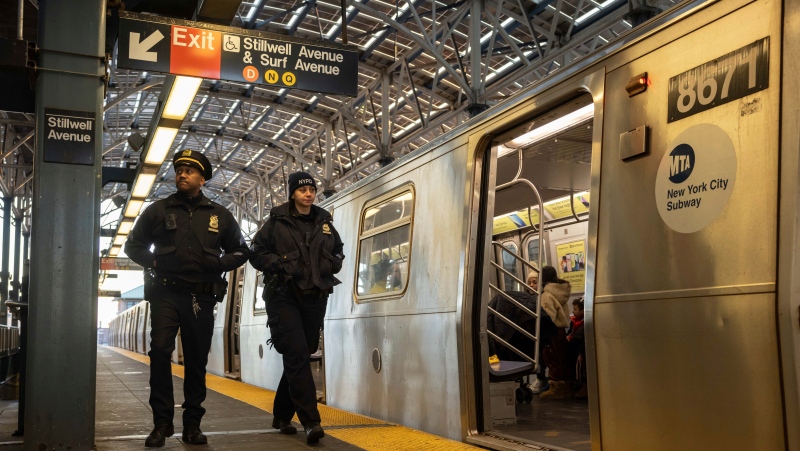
{"points": [[396, 438], [381, 436]]}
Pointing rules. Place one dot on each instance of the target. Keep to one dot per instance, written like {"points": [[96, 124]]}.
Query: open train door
{"points": [[233, 314], [536, 180]]}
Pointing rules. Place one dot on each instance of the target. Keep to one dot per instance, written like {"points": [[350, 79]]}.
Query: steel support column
{"points": [[65, 247], [6, 253], [17, 246], [477, 80]]}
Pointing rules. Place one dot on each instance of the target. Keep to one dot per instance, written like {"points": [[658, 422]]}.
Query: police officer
{"points": [[195, 240], [298, 244]]}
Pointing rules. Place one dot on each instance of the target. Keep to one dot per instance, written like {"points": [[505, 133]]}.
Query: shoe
{"points": [[582, 393], [158, 437], [539, 386], [193, 436], [314, 432], [558, 390], [285, 426]]}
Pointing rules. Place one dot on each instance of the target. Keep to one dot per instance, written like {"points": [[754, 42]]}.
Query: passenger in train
{"points": [[299, 245], [507, 332], [555, 294], [380, 272], [577, 347], [195, 241]]}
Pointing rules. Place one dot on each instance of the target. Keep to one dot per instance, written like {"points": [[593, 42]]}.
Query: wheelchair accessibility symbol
{"points": [[231, 43]]}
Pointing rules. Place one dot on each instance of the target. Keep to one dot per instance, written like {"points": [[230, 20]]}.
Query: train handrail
{"points": [[537, 315]]}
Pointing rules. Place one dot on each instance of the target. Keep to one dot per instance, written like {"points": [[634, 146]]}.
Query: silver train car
{"points": [[660, 176]]}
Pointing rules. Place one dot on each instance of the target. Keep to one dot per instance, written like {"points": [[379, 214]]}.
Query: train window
{"points": [[533, 252], [259, 306], [384, 245], [510, 265]]}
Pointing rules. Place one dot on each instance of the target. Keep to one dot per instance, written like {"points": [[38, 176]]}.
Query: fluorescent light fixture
{"points": [[134, 205], [119, 239], [114, 251], [159, 147], [181, 97], [125, 227], [547, 130], [141, 188]]}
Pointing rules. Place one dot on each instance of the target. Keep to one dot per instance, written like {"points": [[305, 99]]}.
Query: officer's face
{"points": [[188, 180], [304, 196]]}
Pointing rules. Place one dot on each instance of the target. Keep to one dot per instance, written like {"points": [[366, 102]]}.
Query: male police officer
{"points": [[182, 277]]}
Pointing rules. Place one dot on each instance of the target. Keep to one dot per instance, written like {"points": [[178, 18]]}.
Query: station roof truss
{"points": [[425, 67]]}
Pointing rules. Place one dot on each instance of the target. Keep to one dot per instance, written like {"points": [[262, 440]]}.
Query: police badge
{"points": [[326, 229], [187, 153], [213, 224]]}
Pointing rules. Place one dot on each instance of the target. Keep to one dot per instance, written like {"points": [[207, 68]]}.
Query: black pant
{"points": [[295, 327], [170, 310]]}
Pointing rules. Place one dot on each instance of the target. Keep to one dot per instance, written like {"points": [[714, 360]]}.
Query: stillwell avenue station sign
{"points": [[197, 49]]}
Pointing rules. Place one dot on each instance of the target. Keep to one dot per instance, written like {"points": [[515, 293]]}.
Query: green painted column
{"points": [[62, 353]]}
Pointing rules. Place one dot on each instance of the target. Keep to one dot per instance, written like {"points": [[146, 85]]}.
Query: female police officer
{"points": [[299, 245]]}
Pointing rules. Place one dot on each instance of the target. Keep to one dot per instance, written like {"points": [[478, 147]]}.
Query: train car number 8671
{"points": [[724, 79]]}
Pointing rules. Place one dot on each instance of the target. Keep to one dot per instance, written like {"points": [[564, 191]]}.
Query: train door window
{"points": [[510, 265], [384, 245], [259, 306], [532, 249]]}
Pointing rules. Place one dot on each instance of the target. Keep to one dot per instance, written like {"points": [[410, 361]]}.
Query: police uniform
{"points": [[195, 241], [305, 251]]}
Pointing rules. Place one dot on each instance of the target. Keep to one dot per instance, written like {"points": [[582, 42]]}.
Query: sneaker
{"points": [[284, 426], [193, 436], [314, 432], [158, 436], [538, 386]]}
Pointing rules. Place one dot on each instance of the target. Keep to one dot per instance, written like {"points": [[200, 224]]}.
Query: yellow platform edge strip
{"points": [[369, 438]]}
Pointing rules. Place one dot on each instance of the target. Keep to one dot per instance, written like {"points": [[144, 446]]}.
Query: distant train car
{"points": [[659, 177]]}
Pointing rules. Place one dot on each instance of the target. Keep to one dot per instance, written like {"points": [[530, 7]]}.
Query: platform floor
{"points": [[237, 416]]}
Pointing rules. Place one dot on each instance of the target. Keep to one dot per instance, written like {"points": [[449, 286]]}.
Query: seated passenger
{"points": [[528, 298], [380, 271], [577, 347], [511, 311], [555, 294]]}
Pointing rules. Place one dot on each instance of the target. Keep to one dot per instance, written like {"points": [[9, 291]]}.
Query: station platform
{"points": [[237, 416]]}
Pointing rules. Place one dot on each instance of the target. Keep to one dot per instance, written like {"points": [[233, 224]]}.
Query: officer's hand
{"points": [[211, 262]]}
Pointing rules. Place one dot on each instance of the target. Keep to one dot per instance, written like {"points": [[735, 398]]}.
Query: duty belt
{"points": [[184, 286]]}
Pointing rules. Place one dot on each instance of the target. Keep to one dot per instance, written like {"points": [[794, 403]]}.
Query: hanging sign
{"points": [[696, 178], [69, 136], [197, 49]]}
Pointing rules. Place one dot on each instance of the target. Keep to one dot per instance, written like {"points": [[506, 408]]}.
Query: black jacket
{"points": [[521, 319], [279, 248], [189, 241]]}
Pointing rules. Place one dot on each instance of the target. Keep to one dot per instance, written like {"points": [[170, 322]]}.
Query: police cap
{"points": [[194, 159]]}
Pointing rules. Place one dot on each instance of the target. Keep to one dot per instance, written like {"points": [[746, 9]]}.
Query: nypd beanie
{"points": [[299, 179]]}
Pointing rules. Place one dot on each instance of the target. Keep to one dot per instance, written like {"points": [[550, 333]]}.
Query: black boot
{"points": [[314, 432], [285, 426], [193, 436], [158, 437]]}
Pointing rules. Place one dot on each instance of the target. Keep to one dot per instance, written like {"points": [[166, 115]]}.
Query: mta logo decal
{"points": [[682, 163]]}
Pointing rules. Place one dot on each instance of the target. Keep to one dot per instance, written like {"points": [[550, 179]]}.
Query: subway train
{"points": [[659, 176]]}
